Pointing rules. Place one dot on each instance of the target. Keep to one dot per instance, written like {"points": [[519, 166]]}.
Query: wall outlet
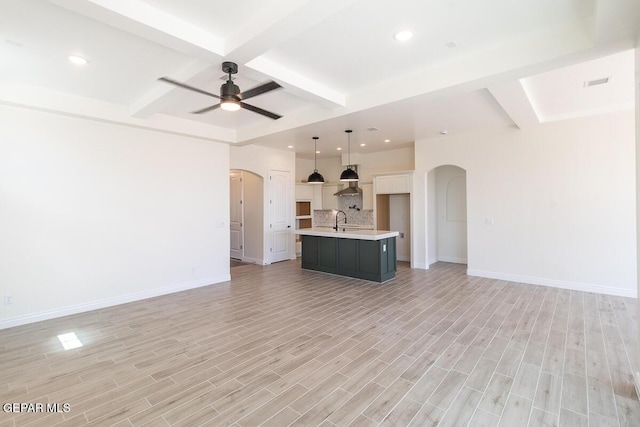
{"points": [[8, 299]]}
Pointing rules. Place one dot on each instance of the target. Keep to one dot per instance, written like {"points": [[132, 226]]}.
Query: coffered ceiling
{"points": [[470, 65]]}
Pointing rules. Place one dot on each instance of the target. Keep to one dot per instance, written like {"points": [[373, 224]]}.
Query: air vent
{"points": [[596, 82]]}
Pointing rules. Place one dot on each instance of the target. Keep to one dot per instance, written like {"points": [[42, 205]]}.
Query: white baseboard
{"points": [[108, 302], [252, 260], [575, 286], [452, 259]]}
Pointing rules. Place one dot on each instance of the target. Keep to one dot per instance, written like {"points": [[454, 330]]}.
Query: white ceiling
{"points": [[512, 64]]}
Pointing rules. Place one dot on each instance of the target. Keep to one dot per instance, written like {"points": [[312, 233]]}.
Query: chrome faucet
{"points": [[345, 219]]}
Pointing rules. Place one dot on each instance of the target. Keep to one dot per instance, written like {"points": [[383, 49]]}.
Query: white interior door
{"points": [[236, 215], [280, 215], [400, 221]]}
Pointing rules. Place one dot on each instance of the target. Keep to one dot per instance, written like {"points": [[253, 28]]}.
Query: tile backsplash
{"points": [[352, 206]]}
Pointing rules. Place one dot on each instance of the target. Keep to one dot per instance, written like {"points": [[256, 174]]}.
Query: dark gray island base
{"points": [[348, 256]]}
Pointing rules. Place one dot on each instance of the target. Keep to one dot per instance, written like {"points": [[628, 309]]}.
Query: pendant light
{"points": [[349, 174], [315, 177]]}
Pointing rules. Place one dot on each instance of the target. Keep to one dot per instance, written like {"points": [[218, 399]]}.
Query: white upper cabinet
{"points": [[393, 184], [304, 192], [310, 192], [316, 201], [329, 201], [367, 196]]}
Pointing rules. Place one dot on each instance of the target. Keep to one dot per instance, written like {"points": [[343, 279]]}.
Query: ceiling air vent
{"points": [[589, 83]]}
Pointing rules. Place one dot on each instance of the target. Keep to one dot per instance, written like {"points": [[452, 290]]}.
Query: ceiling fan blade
{"points": [[266, 113], [185, 86], [204, 110], [258, 90]]}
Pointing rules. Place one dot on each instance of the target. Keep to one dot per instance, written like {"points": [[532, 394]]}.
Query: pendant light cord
{"points": [[349, 147], [315, 154]]}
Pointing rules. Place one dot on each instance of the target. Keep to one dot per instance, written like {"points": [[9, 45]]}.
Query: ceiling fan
{"points": [[230, 96]]}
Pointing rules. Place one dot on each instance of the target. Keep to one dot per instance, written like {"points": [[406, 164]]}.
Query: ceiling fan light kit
{"points": [[315, 177], [349, 174], [229, 105], [231, 99]]}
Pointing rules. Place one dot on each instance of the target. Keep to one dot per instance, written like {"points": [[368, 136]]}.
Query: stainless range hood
{"points": [[351, 190]]}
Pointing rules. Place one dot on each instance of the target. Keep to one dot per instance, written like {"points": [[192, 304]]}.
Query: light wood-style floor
{"points": [[281, 346]]}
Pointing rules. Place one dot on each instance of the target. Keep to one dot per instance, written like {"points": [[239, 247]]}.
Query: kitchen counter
{"points": [[364, 254], [347, 233]]}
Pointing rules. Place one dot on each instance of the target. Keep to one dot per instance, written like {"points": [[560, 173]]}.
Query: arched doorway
{"points": [[447, 213], [246, 219]]}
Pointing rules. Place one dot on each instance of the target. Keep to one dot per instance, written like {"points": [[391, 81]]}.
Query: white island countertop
{"points": [[346, 233]]}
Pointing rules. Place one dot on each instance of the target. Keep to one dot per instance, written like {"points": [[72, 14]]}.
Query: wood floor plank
{"points": [[350, 410], [382, 405], [516, 411], [496, 394], [548, 393], [278, 345], [462, 408]]}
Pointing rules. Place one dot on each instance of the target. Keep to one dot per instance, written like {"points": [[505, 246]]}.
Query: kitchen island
{"points": [[364, 254]]}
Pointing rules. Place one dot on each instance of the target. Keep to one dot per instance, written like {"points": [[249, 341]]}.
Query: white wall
{"points": [[562, 197], [400, 159], [304, 168], [94, 214], [451, 216], [636, 362], [431, 220], [260, 160]]}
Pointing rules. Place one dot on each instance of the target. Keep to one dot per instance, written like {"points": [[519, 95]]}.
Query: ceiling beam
{"points": [[252, 41], [515, 102], [298, 84], [616, 21], [61, 103], [139, 18], [246, 45]]}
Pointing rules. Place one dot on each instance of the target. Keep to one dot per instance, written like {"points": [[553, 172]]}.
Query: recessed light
{"points": [[78, 60], [318, 152], [403, 35], [339, 148], [362, 145], [444, 132], [387, 140], [289, 146]]}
